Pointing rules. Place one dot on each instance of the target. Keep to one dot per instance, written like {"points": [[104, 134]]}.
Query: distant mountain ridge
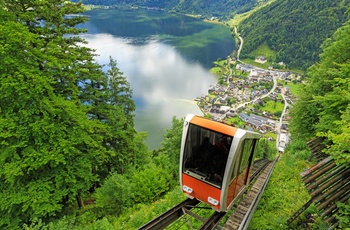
{"points": [[206, 8], [294, 29]]}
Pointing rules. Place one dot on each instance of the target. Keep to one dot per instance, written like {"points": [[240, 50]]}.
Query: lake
{"points": [[165, 57]]}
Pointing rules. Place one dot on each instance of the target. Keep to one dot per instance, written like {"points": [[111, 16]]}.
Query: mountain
{"points": [[206, 8], [295, 29]]}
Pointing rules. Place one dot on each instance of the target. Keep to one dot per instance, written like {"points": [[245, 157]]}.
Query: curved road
{"points": [[240, 45], [279, 123]]}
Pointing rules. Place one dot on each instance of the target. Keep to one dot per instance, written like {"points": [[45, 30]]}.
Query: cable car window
{"points": [[236, 165], [205, 154], [247, 151]]}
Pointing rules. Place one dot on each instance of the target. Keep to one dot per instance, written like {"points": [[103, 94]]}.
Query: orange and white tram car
{"points": [[215, 161]]}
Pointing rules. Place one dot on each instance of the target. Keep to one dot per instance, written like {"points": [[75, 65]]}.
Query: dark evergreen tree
{"points": [[61, 121]]}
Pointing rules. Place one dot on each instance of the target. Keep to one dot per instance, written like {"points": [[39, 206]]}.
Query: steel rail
{"points": [[249, 214], [183, 208], [168, 217], [213, 221], [262, 165]]}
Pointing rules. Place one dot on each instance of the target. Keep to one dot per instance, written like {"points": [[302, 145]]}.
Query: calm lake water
{"points": [[165, 57]]}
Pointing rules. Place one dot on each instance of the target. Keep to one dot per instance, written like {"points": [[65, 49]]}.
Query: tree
{"points": [[168, 157], [323, 100], [47, 142], [114, 195], [56, 113], [121, 91]]}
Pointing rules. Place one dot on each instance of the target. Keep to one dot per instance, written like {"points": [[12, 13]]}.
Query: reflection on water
{"points": [[159, 77], [165, 57]]}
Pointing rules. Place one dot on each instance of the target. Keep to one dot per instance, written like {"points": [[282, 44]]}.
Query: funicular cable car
{"points": [[215, 161]]}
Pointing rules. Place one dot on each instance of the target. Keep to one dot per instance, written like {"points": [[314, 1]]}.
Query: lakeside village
{"points": [[253, 98]]}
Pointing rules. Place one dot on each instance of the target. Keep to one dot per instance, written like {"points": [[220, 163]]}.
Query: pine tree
{"points": [[50, 142]]}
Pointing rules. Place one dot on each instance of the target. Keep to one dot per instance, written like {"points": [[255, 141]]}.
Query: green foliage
{"points": [[323, 103], [264, 150], [65, 123], [103, 224], [284, 194], [150, 184], [292, 29], [341, 139], [343, 218], [139, 215], [47, 142], [169, 154], [114, 195], [205, 8], [323, 107], [304, 115]]}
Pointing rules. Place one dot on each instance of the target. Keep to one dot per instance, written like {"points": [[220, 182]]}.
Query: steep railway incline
{"points": [[242, 215], [184, 211]]}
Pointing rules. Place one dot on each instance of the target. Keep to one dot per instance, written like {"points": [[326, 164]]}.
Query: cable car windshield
{"points": [[205, 154]]}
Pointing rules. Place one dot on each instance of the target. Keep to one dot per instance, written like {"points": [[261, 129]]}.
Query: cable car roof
{"points": [[214, 125]]}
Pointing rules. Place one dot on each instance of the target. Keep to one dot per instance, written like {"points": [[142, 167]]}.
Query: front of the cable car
{"points": [[204, 152]]}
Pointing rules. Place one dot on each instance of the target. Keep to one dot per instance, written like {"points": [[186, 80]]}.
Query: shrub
{"points": [[114, 195], [148, 185]]}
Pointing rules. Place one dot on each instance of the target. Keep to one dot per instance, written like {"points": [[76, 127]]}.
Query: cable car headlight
{"points": [[213, 201], [187, 189]]}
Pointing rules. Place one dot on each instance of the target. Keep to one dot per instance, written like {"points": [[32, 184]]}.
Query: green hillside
{"points": [[295, 29], [206, 8]]}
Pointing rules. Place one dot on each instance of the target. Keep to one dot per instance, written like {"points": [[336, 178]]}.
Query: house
{"points": [[231, 113], [260, 59], [281, 146], [224, 109], [257, 121], [244, 116]]}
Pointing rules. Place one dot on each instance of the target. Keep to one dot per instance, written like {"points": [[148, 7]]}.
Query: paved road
{"points": [[240, 45], [279, 123], [222, 116]]}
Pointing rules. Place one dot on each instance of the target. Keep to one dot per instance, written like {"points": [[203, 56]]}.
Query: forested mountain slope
{"points": [[207, 8], [295, 29], [323, 107]]}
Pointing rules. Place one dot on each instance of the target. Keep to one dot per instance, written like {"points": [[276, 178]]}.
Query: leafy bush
{"points": [[114, 195], [141, 214], [103, 224], [148, 185], [344, 217]]}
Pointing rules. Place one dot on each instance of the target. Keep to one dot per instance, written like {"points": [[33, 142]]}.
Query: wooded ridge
{"points": [[295, 29], [206, 8]]}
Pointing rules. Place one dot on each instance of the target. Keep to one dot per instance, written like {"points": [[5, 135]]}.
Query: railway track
{"points": [[182, 212], [241, 216]]}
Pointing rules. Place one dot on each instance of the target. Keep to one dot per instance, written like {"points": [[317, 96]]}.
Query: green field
{"points": [[294, 88], [238, 18], [272, 107], [264, 50]]}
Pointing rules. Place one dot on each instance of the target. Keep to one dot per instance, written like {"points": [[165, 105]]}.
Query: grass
{"points": [[294, 88], [236, 121], [135, 219], [220, 67], [238, 18], [264, 50], [218, 71], [272, 106], [284, 194]]}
